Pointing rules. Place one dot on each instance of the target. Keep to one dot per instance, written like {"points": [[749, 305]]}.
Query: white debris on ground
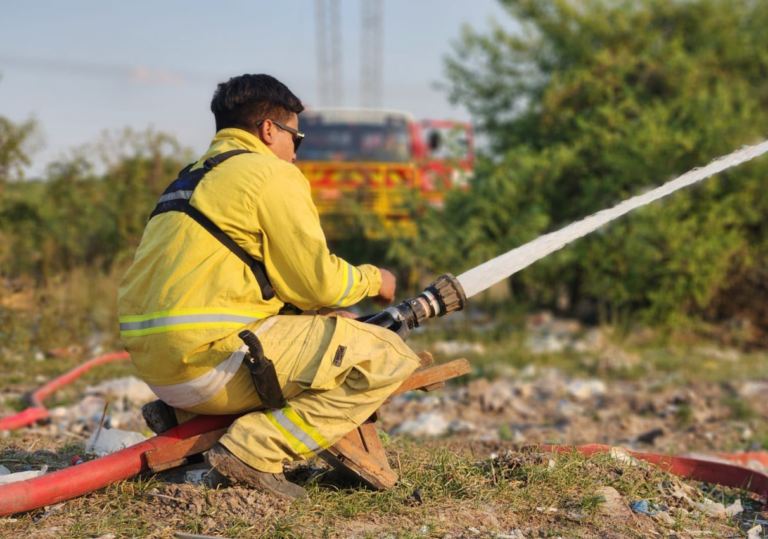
{"points": [[7, 477], [457, 348], [754, 389], [717, 510], [129, 389], [719, 354], [547, 334], [106, 441], [582, 390], [614, 506], [426, 425]]}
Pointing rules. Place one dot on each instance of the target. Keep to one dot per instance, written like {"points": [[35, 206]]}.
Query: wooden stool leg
{"points": [[361, 454]]}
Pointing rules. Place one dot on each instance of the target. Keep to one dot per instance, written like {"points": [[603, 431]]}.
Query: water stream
{"points": [[489, 273]]}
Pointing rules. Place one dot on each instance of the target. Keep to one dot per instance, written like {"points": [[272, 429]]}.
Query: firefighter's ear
{"points": [[267, 132]]}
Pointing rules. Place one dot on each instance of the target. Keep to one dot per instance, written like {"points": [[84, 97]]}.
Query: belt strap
{"points": [[176, 198]]}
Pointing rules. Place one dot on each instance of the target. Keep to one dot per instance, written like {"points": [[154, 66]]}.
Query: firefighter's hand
{"points": [[387, 290]]}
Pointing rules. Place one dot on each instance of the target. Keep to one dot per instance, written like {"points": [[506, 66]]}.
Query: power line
{"points": [[122, 72]]}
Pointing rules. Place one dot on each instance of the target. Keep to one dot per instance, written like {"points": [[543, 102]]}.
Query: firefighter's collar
{"points": [[242, 138]]}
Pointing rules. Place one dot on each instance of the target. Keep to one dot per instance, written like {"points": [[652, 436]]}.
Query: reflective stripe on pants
{"points": [[302, 436]]}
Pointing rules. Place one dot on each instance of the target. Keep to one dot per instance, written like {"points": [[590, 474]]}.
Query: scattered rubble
{"points": [[673, 502], [544, 405]]}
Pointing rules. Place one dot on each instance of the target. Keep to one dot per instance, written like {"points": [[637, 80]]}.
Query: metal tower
{"points": [[371, 61], [329, 59]]}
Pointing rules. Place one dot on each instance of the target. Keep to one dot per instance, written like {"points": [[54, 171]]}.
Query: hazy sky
{"points": [[80, 66]]}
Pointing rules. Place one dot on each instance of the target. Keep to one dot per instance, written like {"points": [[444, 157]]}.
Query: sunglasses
{"points": [[298, 136]]}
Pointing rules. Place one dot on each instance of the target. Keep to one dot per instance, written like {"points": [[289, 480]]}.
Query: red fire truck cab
{"points": [[382, 162]]}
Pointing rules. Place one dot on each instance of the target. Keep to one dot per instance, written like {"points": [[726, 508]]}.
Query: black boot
{"points": [[159, 416], [237, 471]]}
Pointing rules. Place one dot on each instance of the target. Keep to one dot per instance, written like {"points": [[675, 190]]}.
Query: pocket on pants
{"points": [[367, 357], [322, 363]]}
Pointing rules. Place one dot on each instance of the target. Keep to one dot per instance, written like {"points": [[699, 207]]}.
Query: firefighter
{"points": [[231, 242]]}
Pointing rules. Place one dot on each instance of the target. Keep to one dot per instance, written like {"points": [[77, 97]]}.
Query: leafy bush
{"points": [[90, 209], [587, 103]]}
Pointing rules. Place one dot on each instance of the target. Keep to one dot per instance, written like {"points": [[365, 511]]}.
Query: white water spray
{"points": [[489, 273]]}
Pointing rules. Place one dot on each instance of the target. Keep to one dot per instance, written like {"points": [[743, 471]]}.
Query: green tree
{"points": [[588, 102], [15, 142], [92, 206]]}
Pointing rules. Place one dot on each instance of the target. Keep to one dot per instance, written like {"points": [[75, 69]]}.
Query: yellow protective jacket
{"points": [[185, 296]]}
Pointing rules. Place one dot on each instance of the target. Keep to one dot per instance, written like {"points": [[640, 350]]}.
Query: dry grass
{"points": [[445, 491]]}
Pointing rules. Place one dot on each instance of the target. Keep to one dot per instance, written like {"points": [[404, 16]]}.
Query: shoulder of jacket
{"points": [[265, 166], [287, 172]]}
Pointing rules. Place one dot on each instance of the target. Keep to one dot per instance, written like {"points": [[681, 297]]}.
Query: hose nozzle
{"points": [[444, 296], [448, 293]]}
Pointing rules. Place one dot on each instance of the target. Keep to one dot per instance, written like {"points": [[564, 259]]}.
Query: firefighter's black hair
{"points": [[245, 100]]}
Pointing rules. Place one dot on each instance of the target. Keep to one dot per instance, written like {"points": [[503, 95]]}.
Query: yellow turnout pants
{"points": [[335, 373]]}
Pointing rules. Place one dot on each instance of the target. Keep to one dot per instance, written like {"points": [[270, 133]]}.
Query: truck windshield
{"points": [[387, 141]]}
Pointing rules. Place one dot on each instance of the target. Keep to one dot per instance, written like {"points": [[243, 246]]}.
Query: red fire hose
{"points": [[699, 470], [37, 411], [96, 474]]}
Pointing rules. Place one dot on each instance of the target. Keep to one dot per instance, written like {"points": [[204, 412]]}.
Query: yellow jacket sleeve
{"points": [[300, 266]]}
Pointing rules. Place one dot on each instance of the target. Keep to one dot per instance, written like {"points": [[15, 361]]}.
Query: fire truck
{"points": [[381, 164]]}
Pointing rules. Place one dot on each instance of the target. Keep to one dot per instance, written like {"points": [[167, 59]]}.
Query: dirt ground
{"points": [[458, 452]]}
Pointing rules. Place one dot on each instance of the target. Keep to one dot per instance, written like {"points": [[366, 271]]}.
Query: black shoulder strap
{"points": [[176, 198]]}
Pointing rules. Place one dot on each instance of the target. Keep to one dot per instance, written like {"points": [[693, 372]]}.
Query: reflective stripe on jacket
{"points": [[184, 298]]}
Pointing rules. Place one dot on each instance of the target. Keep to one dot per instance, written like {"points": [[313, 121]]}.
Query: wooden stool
{"points": [[359, 453]]}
